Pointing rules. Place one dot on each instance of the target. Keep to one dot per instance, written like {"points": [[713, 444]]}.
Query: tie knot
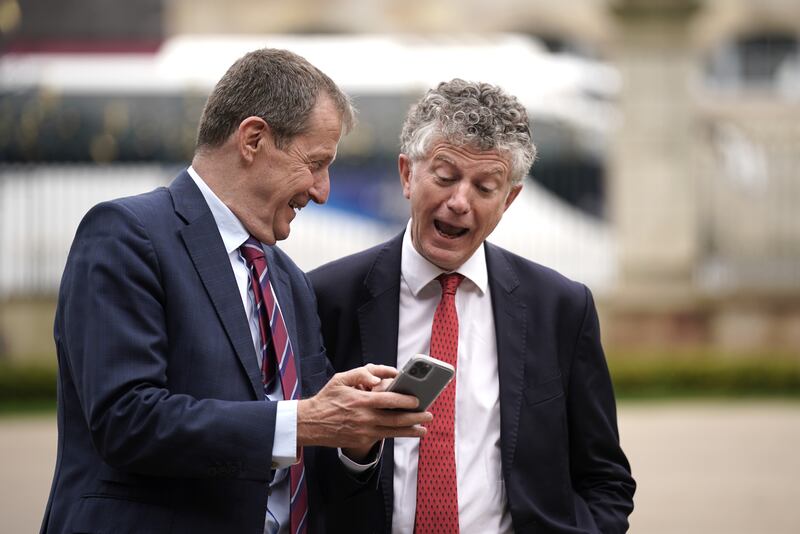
{"points": [[450, 282], [251, 250]]}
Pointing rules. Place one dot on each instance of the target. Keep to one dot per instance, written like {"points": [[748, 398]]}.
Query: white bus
{"points": [[79, 128]]}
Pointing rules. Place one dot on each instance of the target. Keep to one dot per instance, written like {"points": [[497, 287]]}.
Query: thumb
{"points": [[360, 377], [382, 371]]}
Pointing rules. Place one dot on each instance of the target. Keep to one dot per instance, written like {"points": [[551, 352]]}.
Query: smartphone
{"points": [[424, 377]]}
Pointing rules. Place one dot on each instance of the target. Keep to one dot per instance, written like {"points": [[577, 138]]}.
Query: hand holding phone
{"points": [[423, 377]]}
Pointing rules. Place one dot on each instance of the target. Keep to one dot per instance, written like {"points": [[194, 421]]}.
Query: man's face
{"points": [[458, 195], [282, 181]]}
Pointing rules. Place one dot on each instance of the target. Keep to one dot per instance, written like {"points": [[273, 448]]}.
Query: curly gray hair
{"points": [[475, 114]]}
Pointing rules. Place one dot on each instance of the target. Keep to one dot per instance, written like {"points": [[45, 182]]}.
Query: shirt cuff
{"points": [[355, 467], [284, 445]]}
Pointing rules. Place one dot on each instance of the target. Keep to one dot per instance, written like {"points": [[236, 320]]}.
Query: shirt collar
{"points": [[418, 272], [231, 229]]}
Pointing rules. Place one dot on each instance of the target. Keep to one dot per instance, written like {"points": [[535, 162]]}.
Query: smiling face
{"points": [[281, 181], [458, 195]]}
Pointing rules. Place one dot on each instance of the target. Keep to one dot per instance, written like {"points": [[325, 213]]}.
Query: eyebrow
{"points": [[493, 170], [444, 158], [325, 157]]}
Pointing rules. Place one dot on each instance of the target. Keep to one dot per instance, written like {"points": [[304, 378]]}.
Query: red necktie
{"points": [[277, 355], [437, 492]]}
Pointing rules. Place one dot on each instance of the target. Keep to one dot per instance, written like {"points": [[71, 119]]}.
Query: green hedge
{"points": [[25, 387], [23, 382], [702, 374]]}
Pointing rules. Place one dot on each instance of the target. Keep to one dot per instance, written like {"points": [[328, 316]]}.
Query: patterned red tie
{"points": [[437, 492], [277, 354]]}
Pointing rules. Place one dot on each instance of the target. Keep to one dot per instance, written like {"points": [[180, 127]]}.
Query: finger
{"points": [[388, 400], [360, 376], [384, 384], [397, 419], [382, 371]]}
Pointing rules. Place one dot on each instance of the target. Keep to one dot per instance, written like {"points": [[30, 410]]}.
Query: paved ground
{"points": [[702, 468], [714, 468]]}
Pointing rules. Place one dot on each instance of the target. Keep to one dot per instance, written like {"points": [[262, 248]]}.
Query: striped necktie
{"points": [[277, 355], [437, 491]]}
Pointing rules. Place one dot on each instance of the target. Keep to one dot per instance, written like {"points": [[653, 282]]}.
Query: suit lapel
{"points": [[378, 320], [378, 316], [510, 330], [204, 245]]}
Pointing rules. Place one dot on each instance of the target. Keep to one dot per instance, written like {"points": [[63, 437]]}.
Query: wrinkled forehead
{"points": [[469, 157]]}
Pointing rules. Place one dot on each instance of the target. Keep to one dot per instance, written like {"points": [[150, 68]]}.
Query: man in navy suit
{"points": [[527, 439], [166, 421]]}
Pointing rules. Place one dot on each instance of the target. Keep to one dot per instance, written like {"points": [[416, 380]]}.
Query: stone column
{"points": [[652, 181], [652, 178]]}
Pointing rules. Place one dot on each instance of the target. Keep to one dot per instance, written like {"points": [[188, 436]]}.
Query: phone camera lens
{"points": [[414, 371]]}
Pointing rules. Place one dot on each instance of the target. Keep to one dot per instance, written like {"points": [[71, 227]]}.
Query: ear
{"points": [[404, 166], [512, 195], [251, 136]]}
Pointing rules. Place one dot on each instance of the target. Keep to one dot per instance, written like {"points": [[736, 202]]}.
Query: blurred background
{"points": [[668, 181]]}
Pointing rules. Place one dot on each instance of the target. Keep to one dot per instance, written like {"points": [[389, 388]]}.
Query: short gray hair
{"points": [[475, 114], [275, 85]]}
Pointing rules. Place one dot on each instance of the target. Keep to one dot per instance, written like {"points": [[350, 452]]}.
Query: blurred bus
{"points": [[93, 125]]}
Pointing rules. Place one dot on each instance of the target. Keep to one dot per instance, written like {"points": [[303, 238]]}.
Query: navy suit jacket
{"points": [[562, 465], [162, 421]]}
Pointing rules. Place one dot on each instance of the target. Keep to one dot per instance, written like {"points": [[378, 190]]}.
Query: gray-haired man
{"points": [[525, 438]]}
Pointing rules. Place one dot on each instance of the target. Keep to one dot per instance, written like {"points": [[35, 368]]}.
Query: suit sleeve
{"points": [[115, 344], [600, 471]]}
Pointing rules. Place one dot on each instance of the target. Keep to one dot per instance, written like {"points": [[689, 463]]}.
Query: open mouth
{"points": [[295, 206], [448, 230]]}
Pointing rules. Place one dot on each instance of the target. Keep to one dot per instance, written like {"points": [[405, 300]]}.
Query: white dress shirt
{"points": [[482, 505]]}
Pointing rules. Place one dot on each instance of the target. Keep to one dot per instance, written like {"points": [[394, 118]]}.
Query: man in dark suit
{"points": [[525, 438], [193, 385]]}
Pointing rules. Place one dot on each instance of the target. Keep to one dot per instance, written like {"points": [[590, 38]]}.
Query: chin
{"points": [[443, 261], [281, 234]]}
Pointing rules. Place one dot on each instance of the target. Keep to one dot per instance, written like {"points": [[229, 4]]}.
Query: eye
{"points": [[444, 178], [486, 189]]}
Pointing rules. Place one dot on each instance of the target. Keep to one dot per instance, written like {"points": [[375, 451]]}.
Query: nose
{"points": [[321, 187], [459, 199]]}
